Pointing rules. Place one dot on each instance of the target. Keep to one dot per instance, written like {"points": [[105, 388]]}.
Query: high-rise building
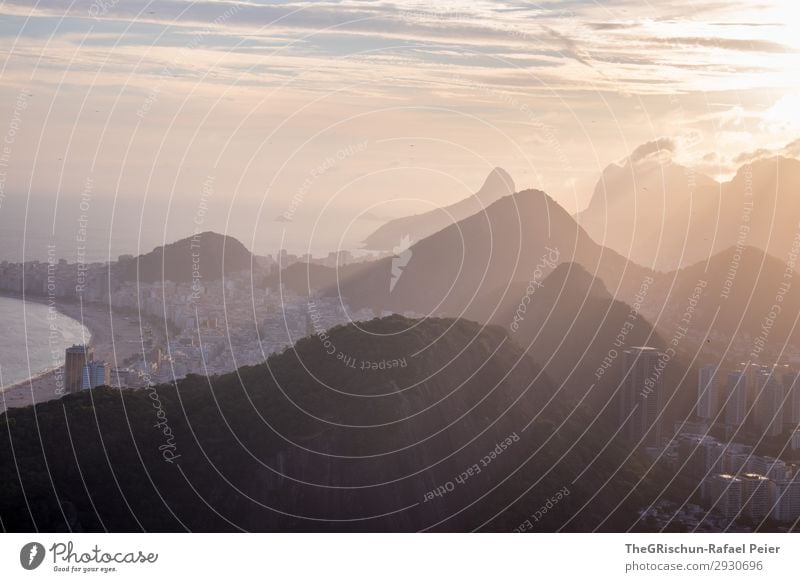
{"points": [[701, 455], [707, 392], [724, 493], [758, 495], [770, 467], [737, 458], [95, 374], [791, 387], [641, 396], [787, 502], [77, 357], [735, 399], [769, 405], [752, 373]]}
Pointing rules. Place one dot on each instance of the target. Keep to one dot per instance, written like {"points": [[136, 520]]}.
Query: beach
{"points": [[114, 337]]}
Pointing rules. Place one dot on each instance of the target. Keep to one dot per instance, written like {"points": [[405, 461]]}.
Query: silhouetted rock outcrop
{"points": [[416, 227], [205, 256]]}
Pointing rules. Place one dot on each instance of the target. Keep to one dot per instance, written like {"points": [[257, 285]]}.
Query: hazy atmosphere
{"points": [[400, 267], [141, 103]]}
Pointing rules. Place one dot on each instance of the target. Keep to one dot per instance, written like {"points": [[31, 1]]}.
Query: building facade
{"points": [[77, 357]]}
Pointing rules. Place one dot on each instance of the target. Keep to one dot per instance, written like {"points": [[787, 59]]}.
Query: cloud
{"points": [[570, 46], [790, 150], [655, 148], [315, 63], [793, 149], [477, 37], [612, 25], [734, 44]]}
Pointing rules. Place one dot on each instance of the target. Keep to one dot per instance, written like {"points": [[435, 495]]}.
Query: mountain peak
{"points": [[498, 183], [575, 276], [419, 226], [219, 255], [766, 167]]}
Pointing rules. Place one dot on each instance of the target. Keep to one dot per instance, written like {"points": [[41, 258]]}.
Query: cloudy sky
{"points": [[344, 111]]}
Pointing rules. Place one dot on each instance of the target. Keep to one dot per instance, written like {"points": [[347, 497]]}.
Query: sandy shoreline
{"points": [[114, 337]]}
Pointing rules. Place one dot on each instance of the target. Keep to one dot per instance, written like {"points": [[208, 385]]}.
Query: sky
{"points": [[339, 114]]}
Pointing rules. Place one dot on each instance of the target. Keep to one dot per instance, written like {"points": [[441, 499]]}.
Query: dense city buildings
{"points": [[707, 392], [735, 403], [724, 494], [758, 496], [641, 396], [791, 387], [768, 405], [736, 482], [763, 400], [202, 326]]}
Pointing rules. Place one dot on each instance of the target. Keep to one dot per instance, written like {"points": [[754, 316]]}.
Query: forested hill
{"points": [[397, 425]]}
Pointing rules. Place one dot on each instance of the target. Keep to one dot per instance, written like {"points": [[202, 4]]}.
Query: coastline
{"points": [[113, 336]]}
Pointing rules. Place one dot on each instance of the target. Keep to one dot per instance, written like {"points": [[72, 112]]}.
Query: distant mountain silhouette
{"points": [[665, 216], [311, 440], [735, 292], [209, 255], [645, 209], [311, 278], [569, 326], [470, 266], [774, 223], [389, 236]]}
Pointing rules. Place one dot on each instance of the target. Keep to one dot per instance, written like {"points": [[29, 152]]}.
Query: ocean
{"points": [[105, 229], [34, 339]]}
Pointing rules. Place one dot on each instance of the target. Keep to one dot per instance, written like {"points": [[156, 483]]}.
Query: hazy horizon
{"points": [[410, 106], [570, 301]]}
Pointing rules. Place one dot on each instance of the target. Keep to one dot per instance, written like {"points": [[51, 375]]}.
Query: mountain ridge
{"points": [[207, 255], [418, 226], [306, 442]]}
